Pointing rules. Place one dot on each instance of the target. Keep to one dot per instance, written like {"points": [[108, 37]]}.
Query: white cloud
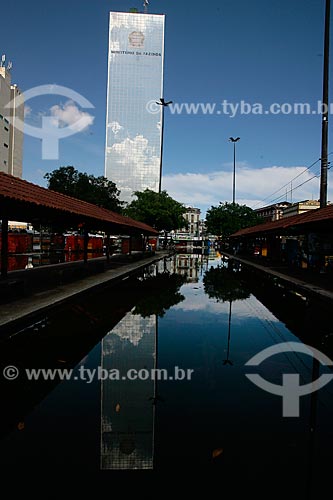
{"points": [[71, 115], [40, 172], [115, 127], [27, 110], [252, 185], [139, 163]]}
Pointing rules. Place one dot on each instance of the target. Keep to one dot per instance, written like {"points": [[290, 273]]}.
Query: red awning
{"points": [[24, 201], [311, 216]]}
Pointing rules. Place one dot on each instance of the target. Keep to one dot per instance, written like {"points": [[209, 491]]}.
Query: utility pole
{"points": [[324, 144]]}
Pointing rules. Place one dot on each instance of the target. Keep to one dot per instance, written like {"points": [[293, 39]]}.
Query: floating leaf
{"points": [[217, 453]]}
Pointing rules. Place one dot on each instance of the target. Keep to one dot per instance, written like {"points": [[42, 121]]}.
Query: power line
{"points": [[317, 175], [299, 185], [288, 183]]}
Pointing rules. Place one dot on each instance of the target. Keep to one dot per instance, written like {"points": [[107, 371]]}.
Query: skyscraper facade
{"points": [[135, 83]]}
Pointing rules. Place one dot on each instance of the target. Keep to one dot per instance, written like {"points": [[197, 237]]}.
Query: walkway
{"points": [[314, 286], [42, 301]]}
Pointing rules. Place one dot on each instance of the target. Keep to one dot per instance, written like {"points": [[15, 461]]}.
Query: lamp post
{"points": [[233, 140], [164, 104], [325, 114]]}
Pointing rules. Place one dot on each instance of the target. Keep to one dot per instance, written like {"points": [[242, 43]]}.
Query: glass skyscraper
{"points": [[135, 83]]}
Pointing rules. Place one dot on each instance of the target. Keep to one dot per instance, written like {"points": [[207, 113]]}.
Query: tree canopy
{"points": [[227, 218], [158, 210], [97, 190]]}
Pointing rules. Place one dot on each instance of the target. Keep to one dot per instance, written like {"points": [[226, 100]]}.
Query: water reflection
{"points": [[310, 320], [227, 361], [218, 419], [224, 285], [18, 262], [65, 338], [128, 406], [188, 265], [162, 292], [127, 413], [60, 338]]}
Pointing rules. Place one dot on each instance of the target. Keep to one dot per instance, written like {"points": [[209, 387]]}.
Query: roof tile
{"points": [[318, 215], [14, 188]]}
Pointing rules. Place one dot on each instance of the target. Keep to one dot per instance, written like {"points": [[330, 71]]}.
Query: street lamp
{"points": [[231, 139], [164, 104]]}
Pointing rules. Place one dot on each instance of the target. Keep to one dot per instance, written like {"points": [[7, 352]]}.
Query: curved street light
{"points": [[164, 105], [234, 140]]}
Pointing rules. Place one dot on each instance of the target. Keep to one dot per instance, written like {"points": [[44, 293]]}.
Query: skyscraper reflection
{"points": [[127, 412]]}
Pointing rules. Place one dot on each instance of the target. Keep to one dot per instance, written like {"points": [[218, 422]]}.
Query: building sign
{"points": [[136, 39]]}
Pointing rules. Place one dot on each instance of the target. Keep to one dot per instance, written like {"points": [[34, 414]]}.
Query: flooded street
{"points": [[198, 321]]}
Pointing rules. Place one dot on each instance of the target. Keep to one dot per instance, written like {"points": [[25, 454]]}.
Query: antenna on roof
{"points": [[9, 66], [145, 4], [3, 60]]}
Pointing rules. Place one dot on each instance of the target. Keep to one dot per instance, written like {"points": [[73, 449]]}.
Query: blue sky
{"points": [[259, 52]]}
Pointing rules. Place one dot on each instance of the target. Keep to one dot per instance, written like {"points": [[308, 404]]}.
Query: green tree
{"points": [[158, 210], [97, 190], [228, 218]]}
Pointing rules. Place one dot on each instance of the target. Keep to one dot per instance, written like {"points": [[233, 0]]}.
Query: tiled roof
{"points": [[311, 216], [13, 188]]}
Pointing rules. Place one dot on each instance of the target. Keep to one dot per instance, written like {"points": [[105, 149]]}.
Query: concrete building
{"points": [[4, 122], [273, 212], [135, 84], [11, 138], [300, 207], [15, 134], [192, 217]]}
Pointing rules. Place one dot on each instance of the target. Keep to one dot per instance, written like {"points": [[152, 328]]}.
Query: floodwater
{"points": [[190, 313]]}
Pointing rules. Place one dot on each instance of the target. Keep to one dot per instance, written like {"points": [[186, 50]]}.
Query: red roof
{"points": [[13, 188], [311, 216]]}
